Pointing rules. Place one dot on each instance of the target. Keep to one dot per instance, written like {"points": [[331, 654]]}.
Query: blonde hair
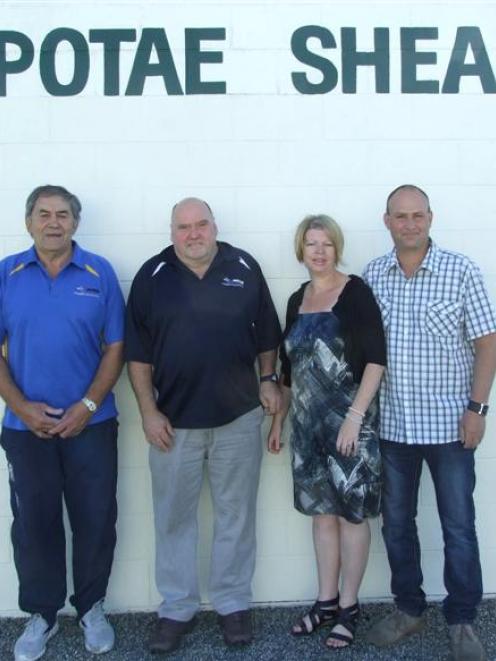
{"points": [[319, 222]]}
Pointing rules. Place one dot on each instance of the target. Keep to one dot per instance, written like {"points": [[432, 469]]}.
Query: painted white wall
{"points": [[263, 155]]}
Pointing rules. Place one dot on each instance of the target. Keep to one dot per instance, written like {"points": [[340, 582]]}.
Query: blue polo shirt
{"points": [[54, 328], [202, 335]]}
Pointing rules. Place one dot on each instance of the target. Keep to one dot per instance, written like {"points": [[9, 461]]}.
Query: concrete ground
{"points": [[272, 640]]}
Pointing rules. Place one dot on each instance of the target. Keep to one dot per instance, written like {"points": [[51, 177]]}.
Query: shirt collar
{"points": [[224, 252], [429, 263], [77, 258]]}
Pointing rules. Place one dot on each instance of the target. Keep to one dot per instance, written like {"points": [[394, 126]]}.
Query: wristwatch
{"points": [[90, 404], [477, 407], [269, 377]]}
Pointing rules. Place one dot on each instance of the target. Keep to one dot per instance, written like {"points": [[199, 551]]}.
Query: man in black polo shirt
{"points": [[199, 314]]}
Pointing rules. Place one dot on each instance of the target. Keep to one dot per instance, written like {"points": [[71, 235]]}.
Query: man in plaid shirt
{"points": [[441, 337]]}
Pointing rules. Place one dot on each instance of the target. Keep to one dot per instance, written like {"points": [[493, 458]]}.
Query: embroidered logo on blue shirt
{"points": [[232, 282], [87, 291]]}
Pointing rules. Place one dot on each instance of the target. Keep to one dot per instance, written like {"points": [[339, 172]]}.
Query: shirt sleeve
{"points": [[371, 329], [2, 321], [138, 343], [479, 314], [268, 328], [113, 330]]}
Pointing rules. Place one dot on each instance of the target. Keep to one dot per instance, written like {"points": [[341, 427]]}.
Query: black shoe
{"points": [[237, 627], [168, 633]]}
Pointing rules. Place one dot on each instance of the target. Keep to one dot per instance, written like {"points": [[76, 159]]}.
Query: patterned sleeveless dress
{"points": [[325, 481]]}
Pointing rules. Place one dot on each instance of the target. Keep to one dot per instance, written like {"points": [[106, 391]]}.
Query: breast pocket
{"points": [[442, 320]]}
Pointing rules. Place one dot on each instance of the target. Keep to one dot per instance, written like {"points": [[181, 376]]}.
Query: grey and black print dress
{"points": [[323, 359]]}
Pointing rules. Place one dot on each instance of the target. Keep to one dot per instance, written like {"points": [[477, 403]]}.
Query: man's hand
{"points": [[73, 421], [270, 397], [274, 439], [472, 428], [38, 417], [158, 430]]}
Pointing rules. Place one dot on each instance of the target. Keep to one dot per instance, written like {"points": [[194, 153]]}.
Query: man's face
{"points": [[194, 233], [52, 225], [409, 220]]}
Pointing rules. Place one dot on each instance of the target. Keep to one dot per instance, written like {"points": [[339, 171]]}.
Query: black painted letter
{"points": [[410, 59], [195, 57], [378, 58], [111, 40], [481, 67], [300, 51], [142, 67], [81, 62], [22, 63]]}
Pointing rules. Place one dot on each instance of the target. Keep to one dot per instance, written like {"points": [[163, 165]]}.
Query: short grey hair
{"points": [[191, 199], [50, 191]]}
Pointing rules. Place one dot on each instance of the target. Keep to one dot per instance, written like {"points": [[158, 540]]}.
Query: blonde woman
{"points": [[332, 362]]}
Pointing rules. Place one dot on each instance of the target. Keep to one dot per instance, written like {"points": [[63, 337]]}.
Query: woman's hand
{"points": [[347, 441]]}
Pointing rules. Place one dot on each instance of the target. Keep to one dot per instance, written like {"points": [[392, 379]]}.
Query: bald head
{"points": [[191, 201], [409, 188]]}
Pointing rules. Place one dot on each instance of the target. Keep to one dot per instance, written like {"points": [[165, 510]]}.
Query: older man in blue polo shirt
{"points": [[61, 324], [199, 315]]}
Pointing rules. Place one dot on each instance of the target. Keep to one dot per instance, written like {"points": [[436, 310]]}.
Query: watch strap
{"points": [[478, 407], [90, 404]]}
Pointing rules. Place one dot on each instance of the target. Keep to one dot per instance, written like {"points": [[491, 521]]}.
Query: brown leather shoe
{"points": [[465, 644], [393, 628], [237, 628], [168, 633]]}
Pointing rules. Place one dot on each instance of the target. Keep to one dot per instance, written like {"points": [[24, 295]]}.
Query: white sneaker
{"points": [[98, 633], [31, 644]]}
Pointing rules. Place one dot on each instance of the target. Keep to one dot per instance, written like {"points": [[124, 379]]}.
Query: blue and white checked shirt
{"points": [[430, 321]]}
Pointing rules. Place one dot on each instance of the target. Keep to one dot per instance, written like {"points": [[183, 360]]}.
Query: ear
{"points": [[28, 225], [386, 220], [216, 230]]}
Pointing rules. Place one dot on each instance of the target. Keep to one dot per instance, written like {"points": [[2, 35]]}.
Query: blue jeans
{"points": [[452, 470]]}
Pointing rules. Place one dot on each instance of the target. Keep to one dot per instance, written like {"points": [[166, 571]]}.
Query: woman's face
{"points": [[319, 254]]}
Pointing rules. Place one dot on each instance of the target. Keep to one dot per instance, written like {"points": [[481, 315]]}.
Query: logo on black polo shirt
{"points": [[232, 282], [87, 291]]}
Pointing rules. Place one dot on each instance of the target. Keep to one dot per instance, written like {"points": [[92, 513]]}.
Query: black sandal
{"points": [[321, 613], [348, 619]]}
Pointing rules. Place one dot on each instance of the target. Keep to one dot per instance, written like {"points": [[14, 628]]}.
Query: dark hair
{"points": [[50, 191], [410, 187]]}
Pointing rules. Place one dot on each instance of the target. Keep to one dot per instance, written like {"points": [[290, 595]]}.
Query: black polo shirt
{"points": [[201, 336]]}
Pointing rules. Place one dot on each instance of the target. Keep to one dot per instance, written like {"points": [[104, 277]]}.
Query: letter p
{"points": [[22, 63]]}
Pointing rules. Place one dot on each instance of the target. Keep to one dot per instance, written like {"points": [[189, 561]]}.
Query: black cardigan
{"points": [[361, 322]]}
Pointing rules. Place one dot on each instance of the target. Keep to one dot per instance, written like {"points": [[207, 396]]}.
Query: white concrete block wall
{"points": [[263, 155]]}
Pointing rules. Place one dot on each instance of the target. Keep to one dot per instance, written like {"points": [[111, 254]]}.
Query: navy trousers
{"points": [[83, 471]]}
